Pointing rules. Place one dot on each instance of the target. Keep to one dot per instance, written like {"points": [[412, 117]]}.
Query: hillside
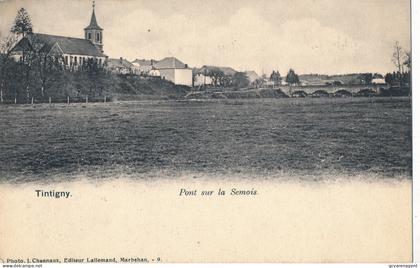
{"points": [[78, 85]]}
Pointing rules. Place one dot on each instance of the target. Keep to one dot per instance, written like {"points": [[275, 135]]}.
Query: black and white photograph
{"points": [[193, 131]]}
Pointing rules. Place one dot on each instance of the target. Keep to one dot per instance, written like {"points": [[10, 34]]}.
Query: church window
{"points": [[97, 37], [89, 36]]}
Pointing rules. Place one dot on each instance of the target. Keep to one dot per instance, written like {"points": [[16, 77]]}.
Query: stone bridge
{"points": [[332, 90]]}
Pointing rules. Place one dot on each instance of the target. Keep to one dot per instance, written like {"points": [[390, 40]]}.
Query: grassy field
{"points": [[299, 137]]}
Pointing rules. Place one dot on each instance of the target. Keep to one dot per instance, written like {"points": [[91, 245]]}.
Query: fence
{"points": [[50, 100]]}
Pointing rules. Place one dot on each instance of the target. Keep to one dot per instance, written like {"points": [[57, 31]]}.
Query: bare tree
{"points": [[46, 66], [407, 60], [397, 59], [40, 60], [40, 64], [6, 45], [29, 59]]}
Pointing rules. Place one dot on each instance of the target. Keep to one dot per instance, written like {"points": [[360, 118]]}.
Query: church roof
{"points": [[170, 63], [69, 45], [93, 23]]}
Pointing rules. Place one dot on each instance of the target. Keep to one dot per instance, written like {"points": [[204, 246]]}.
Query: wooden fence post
{"points": [[105, 99], [86, 99], [49, 100], [1, 96], [68, 100], [15, 100], [32, 100]]}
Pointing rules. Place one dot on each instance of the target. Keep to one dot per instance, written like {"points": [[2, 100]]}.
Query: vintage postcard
{"points": [[136, 131]]}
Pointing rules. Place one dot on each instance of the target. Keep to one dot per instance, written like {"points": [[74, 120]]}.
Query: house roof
{"points": [[119, 63], [93, 25], [378, 81], [252, 75], [225, 70], [143, 62], [69, 45], [170, 63]]}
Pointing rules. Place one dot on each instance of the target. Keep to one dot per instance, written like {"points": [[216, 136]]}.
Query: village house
{"points": [[252, 76], [154, 72], [379, 81], [119, 66], [142, 67], [202, 79], [74, 52], [203, 75], [169, 68], [174, 70]]}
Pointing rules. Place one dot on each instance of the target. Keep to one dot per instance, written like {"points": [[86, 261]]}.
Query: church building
{"points": [[73, 51]]}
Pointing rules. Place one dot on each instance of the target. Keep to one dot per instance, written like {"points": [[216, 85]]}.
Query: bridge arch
{"points": [[299, 94], [342, 93], [320, 93]]}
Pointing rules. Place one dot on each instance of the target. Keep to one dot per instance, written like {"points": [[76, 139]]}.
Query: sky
{"points": [[310, 36]]}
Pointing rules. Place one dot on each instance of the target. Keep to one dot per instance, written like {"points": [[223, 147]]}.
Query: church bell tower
{"points": [[93, 32]]}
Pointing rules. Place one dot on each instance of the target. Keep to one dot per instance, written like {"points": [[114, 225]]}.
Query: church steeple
{"points": [[93, 32]]}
